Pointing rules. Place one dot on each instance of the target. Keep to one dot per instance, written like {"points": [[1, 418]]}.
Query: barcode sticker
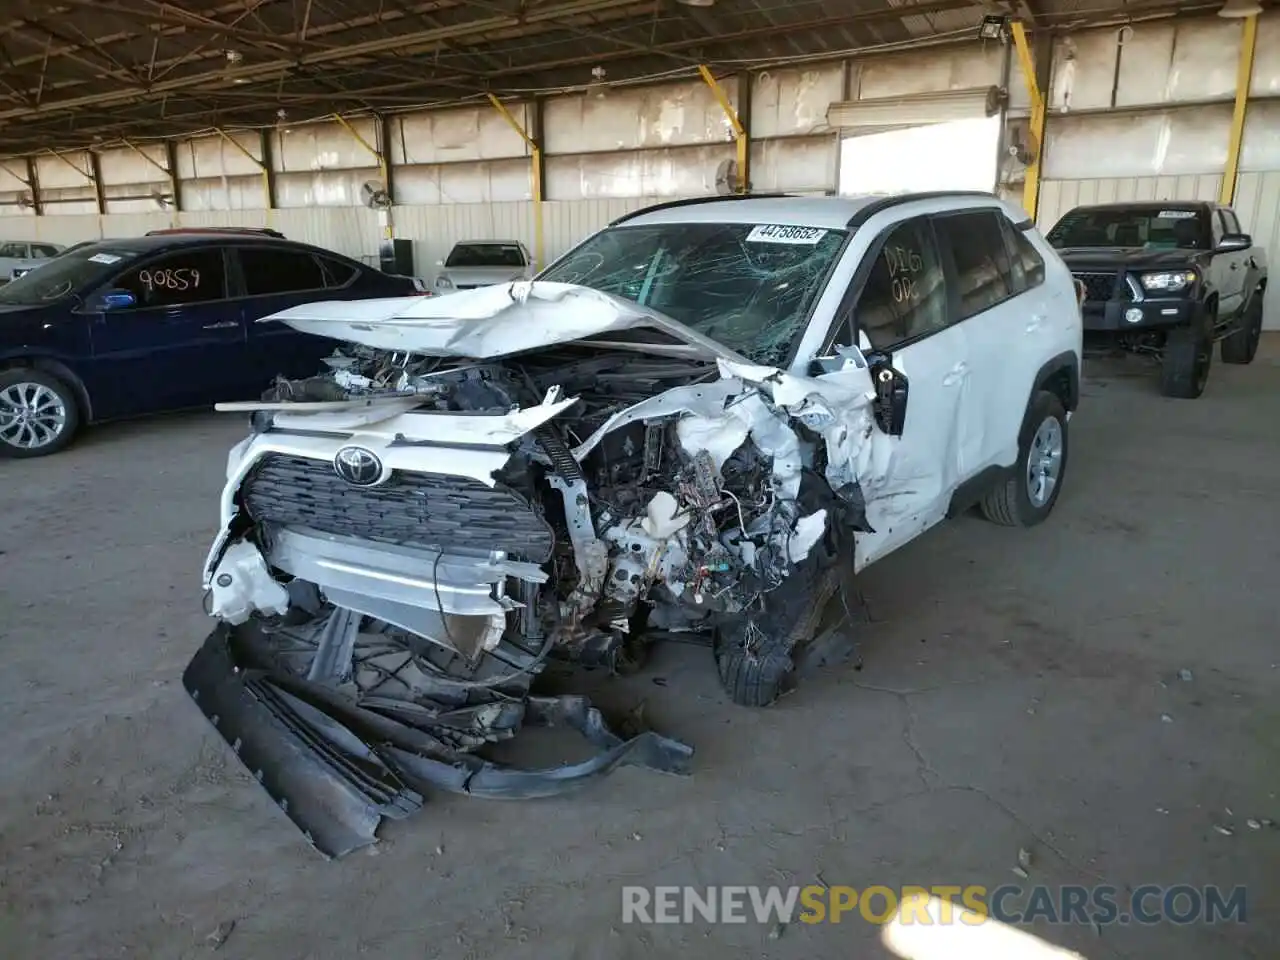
{"points": [[1176, 215], [775, 233]]}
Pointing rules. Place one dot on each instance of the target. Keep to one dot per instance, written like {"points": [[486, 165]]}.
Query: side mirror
{"points": [[1235, 241], [113, 299]]}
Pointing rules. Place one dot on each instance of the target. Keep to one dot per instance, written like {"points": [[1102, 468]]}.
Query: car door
{"points": [[1234, 269], [1000, 299], [181, 340], [900, 316], [274, 278]]}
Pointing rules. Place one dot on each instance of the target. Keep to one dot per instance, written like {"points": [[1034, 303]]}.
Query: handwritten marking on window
{"points": [[178, 278], [904, 267]]}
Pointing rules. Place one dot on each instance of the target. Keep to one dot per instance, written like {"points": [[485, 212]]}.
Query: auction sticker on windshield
{"points": [[1176, 215], [775, 233], [107, 258]]}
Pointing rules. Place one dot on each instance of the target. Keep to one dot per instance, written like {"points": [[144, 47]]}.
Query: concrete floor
{"points": [[1012, 697]]}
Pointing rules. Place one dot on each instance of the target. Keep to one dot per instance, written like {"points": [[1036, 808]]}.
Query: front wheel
{"points": [[1027, 497], [1241, 345], [38, 413], [1185, 362]]}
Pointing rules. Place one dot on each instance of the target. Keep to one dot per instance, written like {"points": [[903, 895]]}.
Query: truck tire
{"points": [[1027, 498], [1241, 345], [1184, 365], [39, 414]]}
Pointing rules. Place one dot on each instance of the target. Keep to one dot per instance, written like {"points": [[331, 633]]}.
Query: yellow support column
{"points": [[1031, 185], [1244, 78], [740, 135], [535, 177]]}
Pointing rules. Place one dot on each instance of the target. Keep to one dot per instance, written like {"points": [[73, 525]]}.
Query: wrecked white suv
{"points": [[696, 421]]}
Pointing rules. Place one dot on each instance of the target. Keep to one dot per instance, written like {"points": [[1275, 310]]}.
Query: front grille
{"points": [[1104, 286], [433, 510]]}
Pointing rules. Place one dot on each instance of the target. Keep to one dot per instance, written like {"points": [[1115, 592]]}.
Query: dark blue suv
{"points": [[127, 327]]}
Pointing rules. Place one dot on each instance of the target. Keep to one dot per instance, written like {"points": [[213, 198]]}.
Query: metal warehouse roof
{"points": [[79, 72]]}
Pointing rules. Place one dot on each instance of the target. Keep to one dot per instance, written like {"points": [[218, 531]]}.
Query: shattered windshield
{"points": [[1151, 228], [73, 272], [486, 255], [748, 287]]}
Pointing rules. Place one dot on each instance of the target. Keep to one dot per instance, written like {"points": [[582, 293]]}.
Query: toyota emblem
{"points": [[358, 466]]}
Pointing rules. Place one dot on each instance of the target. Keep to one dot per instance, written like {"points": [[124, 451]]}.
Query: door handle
{"points": [[222, 325], [1235, 266], [956, 375]]}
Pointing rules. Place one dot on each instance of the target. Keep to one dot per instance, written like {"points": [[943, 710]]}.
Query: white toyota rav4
{"points": [[695, 421]]}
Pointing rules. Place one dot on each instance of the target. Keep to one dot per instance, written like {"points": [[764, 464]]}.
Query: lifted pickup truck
{"points": [[1169, 280]]}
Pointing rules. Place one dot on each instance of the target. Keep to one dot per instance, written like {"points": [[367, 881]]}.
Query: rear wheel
{"points": [[1027, 497], [1241, 346], [38, 413], [1184, 365]]}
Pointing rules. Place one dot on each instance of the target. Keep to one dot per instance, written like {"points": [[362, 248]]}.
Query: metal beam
{"points": [[380, 156], [1031, 185], [95, 167], [1244, 79], [171, 161], [740, 135], [535, 177], [264, 165], [33, 182]]}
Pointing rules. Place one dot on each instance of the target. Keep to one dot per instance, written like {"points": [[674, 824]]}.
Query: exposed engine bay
{"points": [[409, 537]]}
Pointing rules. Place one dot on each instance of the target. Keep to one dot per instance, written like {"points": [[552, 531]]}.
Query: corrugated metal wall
{"points": [[1145, 113]]}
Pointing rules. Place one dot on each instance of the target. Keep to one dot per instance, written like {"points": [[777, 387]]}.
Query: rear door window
{"points": [[178, 279], [984, 271], [268, 271], [16, 251], [1025, 261], [337, 273]]}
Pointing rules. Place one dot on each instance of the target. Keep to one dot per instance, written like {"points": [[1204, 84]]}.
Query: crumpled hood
{"points": [[490, 322]]}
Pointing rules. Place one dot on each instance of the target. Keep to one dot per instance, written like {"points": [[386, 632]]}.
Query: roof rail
{"points": [[885, 203], [693, 201], [250, 231]]}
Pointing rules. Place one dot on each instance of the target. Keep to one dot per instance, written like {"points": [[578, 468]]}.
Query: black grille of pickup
{"points": [[1104, 286], [414, 509]]}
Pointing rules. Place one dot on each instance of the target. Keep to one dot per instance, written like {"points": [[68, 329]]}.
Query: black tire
{"points": [[1011, 504], [1241, 345], [1184, 365], [757, 673], [67, 405]]}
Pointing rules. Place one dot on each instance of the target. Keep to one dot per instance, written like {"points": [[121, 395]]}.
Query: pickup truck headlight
{"points": [[443, 283], [1173, 282]]}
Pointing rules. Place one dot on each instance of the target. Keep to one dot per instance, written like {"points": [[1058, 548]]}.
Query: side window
{"points": [[1230, 220], [905, 295], [337, 273], [268, 271], [983, 272], [189, 276], [1218, 229], [1024, 259], [42, 251], [16, 250]]}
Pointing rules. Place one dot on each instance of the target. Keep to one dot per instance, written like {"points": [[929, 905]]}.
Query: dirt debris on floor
{"points": [[127, 829]]}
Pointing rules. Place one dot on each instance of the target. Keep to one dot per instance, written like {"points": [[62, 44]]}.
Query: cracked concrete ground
{"points": [[1012, 697]]}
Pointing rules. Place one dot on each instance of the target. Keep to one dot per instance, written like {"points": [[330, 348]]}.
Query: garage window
{"points": [[984, 273]]}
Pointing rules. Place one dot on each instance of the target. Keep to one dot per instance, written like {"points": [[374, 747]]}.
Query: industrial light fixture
{"points": [[697, 3], [1239, 9], [993, 26]]}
